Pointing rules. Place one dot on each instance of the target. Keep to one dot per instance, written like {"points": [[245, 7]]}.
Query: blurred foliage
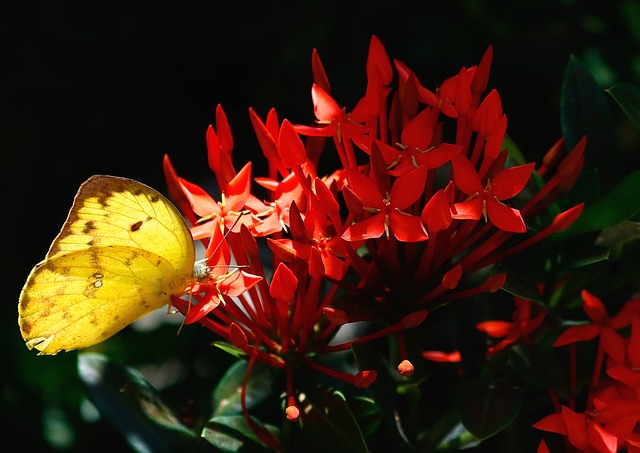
{"points": [[109, 87]]}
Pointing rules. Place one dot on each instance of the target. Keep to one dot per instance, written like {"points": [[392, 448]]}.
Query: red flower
{"points": [[486, 201], [583, 431], [602, 326], [519, 329], [387, 210]]}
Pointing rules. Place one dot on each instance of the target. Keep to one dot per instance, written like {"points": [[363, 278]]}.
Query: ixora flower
{"points": [[390, 234], [610, 419]]}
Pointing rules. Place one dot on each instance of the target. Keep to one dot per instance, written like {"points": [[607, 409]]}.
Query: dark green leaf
{"points": [[487, 407], [226, 396], [328, 422], [133, 406], [628, 98], [621, 203], [539, 367], [232, 433], [383, 391], [366, 413], [584, 112]]}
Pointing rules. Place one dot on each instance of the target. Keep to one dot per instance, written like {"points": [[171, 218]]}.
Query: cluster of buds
{"points": [[421, 196]]}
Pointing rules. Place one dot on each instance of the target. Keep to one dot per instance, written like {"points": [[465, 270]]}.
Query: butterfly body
{"points": [[122, 252]]}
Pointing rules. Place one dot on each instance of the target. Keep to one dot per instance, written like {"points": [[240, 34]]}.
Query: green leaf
{"points": [[539, 367], [366, 413], [226, 396], [584, 112], [628, 98], [133, 406], [383, 391], [232, 433], [328, 423], [230, 349], [621, 203], [487, 407]]}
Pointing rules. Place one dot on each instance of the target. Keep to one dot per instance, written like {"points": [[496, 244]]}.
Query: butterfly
{"points": [[122, 252]]}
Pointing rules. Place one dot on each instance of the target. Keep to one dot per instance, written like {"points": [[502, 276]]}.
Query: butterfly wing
{"points": [[112, 211], [123, 250], [78, 299]]}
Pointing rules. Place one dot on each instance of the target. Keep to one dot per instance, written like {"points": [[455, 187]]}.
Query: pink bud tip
{"points": [[405, 368], [293, 413]]}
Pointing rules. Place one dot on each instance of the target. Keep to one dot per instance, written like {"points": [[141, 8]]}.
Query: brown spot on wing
{"points": [[136, 226], [88, 227]]}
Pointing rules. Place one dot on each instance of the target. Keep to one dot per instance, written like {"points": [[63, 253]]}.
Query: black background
{"points": [[110, 87]]}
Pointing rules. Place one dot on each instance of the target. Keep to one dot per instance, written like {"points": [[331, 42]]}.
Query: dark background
{"points": [[110, 87]]}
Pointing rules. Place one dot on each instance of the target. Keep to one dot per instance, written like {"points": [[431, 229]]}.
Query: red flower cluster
{"points": [[421, 198], [609, 421]]}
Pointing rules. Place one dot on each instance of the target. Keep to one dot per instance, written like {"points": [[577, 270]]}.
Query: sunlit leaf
{"points": [[232, 433], [226, 396], [134, 407], [619, 204]]}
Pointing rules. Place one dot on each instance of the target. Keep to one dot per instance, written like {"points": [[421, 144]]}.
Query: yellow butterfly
{"points": [[122, 252]]}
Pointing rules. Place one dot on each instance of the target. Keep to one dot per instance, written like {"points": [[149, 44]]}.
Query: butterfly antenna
{"points": [[224, 238]]}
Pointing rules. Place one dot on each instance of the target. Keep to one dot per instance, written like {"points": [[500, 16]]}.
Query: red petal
{"points": [[576, 428], [613, 344], [465, 175], [319, 75], [370, 228], [238, 283], [290, 146], [438, 156], [201, 202], [407, 228], [238, 189], [283, 283], [488, 113], [200, 310], [504, 217], [444, 357], [577, 333], [510, 181], [495, 329], [365, 189], [378, 58], [481, 76], [418, 132], [436, 215], [467, 210], [224, 131], [626, 315], [553, 423], [407, 189], [594, 308], [600, 439], [324, 106]]}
